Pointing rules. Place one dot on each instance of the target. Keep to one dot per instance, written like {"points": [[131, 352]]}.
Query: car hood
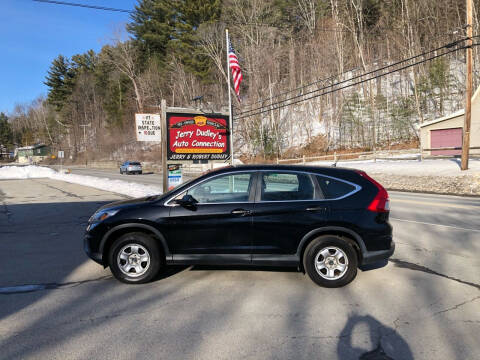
{"points": [[129, 203]]}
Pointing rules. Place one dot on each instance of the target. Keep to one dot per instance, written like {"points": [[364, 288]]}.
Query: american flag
{"points": [[236, 71]]}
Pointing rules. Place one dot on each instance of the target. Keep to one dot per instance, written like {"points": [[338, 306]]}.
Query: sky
{"points": [[32, 34]]}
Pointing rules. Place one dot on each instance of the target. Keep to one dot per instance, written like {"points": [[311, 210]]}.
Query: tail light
{"points": [[381, 202]]}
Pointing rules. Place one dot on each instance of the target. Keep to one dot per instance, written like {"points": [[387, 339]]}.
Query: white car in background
{"points": [[131, 167]]}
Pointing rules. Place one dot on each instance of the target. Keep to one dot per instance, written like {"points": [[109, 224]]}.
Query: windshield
{"points": [[166, 194]]}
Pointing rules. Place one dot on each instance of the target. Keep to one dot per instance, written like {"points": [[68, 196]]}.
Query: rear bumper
{"points": [[369, 257]]}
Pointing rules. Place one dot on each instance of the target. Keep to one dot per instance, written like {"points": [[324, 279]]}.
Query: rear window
{"points": [[134, 163], [287, 187], [333, 188]]}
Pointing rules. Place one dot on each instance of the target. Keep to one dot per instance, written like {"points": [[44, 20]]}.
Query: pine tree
{"points": [[171, 27], [85, 62], [60, 81], [153, 25], [191, 14], [6, 134]]}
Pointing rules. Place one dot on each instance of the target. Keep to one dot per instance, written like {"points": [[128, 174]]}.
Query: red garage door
{"points": [[446, 138]]}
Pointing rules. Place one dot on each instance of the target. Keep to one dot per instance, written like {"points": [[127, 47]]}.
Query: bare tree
{"points": [[124, 55]]}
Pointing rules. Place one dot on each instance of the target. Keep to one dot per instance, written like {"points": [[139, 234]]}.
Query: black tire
{"points": [[156, 258], [121, 172], [330, 244]]}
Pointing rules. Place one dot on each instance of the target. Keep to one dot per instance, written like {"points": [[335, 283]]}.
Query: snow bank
{"points": [[25, 172], [117, 186], [433, 167]]}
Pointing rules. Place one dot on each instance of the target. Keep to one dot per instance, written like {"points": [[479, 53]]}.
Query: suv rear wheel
{"points": [[330, 261], [135, 258]]}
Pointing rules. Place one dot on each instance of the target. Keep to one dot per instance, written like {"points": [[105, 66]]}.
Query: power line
{"points": [[450, 45], [84, 6], [282, 104]]}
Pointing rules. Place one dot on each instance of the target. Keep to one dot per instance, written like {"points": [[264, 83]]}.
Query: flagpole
{"points": [[229, 99]]}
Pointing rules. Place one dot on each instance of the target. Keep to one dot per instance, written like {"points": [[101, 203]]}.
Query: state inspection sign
{"points": [[147, 127]]}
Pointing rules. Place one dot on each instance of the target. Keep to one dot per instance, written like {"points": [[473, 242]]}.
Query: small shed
{"points": [[32, 154], [447, 131]]}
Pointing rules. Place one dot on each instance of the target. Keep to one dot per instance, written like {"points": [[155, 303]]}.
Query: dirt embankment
{"points": [[452, 185]]}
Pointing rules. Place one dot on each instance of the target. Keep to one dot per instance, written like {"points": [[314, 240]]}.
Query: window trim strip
{"points": [[356, 186]]}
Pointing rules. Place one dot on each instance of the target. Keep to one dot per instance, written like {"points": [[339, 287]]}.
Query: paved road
{"points": [[424, 304], [147, 178]]}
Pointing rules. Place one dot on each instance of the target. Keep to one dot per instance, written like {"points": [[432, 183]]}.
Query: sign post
{"points": [[61, 155], [163, 112]]}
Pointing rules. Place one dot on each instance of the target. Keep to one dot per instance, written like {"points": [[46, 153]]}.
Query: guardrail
{"points": [[355, 156]]}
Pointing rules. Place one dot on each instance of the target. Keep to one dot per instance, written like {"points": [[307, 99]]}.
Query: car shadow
{"points": [[376, 265], [265, 268], [169, 271]]}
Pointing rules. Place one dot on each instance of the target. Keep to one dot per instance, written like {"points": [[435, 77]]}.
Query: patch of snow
{"points": [[118, 186]]}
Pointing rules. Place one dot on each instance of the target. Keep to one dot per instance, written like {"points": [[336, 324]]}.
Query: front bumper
{"points": [[369, 257], [95, 256]]}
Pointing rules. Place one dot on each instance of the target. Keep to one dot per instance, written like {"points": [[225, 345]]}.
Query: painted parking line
{"points": [[432, 224]]}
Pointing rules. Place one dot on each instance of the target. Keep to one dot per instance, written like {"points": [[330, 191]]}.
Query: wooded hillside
{"points": [[175, 50]]}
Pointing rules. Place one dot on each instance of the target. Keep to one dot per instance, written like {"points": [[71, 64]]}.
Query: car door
{"points": [[288, 205], [218, 227]]}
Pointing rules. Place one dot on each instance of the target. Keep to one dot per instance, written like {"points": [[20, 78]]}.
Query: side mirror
{"points": [[187, 201]]}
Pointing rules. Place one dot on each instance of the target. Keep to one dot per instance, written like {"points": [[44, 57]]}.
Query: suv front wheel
{"points": [[135, 258], [330, 261]]}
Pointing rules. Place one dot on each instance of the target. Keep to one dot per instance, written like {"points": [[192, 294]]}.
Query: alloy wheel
{"points": [[331, 263], [133, 260]]}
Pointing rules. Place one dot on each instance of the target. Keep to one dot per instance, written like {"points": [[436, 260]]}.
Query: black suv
{"points": [[326, 221]]}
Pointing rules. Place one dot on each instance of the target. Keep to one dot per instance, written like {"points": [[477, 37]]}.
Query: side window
{"points": [[227, 188], [332, 188], [287, 187]]}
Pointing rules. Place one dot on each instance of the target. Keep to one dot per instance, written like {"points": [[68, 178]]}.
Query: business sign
{"points": [[147, 127], [174, 175], [197, 137]]}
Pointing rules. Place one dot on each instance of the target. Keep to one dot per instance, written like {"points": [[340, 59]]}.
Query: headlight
{"points": [[102, 215]]}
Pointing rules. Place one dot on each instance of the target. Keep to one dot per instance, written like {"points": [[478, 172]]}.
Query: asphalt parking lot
{"points": [[57, 304]]}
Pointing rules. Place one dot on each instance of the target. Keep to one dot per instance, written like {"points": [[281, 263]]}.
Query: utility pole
{"points": [[85, 133], [468, 100], [85, 141]]}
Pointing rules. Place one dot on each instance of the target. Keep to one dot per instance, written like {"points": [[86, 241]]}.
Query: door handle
{"points": [[240, 212], [316, 208]]}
